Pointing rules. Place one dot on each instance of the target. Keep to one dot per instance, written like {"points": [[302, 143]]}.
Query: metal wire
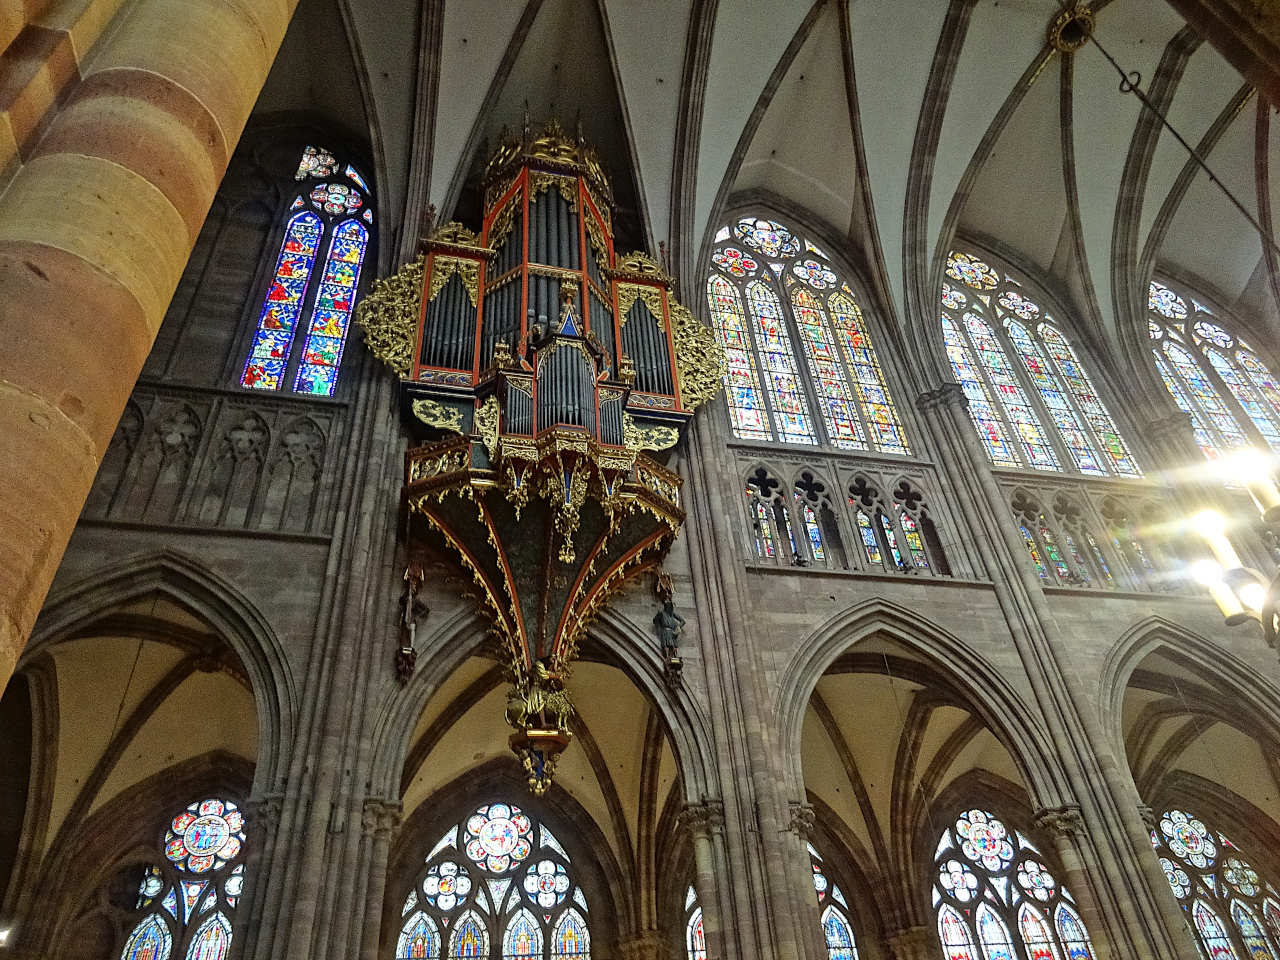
{"points": [[1130, 82]]}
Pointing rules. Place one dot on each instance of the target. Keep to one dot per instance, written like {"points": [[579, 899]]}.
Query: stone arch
{"points": [[76, 607], [1258, 698], [1001, 708]]}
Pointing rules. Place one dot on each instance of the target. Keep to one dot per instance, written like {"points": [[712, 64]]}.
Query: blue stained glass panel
{"points": [[283, 303], [790, 406], [322, 353], [747, 412], [1069, 425], [991, 428]]}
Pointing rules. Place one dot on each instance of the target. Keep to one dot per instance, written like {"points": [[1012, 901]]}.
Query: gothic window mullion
{"points": [[1054, 436], [766, 379], [1016, 441], [800, 349]]}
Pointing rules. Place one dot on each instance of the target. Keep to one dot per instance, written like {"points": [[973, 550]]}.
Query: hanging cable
{"points": [[1131, 82]]}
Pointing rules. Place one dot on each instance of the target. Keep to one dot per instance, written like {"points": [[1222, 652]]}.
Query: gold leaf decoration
{"points": [[648, 437], [442, 268], [486, 424], [700, 359], [435, 414], [628, 293], [389, 316]]}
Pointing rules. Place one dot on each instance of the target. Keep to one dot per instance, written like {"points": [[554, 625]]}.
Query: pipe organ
{"points": [[538, 365]]}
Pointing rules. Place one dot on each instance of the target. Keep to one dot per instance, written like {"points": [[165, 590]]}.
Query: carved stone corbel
{"points": [[801, 819], [1064, 822], [703, 819]]}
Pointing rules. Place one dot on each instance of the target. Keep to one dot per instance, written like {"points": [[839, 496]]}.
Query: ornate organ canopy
{"points": [[541, 364]]}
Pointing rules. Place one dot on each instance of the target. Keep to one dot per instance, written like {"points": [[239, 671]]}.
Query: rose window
{"points": [[771, 239], [547, 883], [958, 880], [205, 836], [336, 198], [971, 271], [1214, 334], [1188, 838], [734, 262], [817, 275], [984, 840], [1036, 880], [1241, 876], [498, 836], [1176, 876]]}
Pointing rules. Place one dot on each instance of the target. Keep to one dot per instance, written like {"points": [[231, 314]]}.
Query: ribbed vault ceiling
{"points": [[894, 125]]}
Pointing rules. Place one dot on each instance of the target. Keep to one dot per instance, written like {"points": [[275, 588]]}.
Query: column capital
{"points": [[265, 810], [648, 945], [379, 817], [703, 819], [948, 394], [912, 943], [1064, 822], [801, 819], [1148, 815]]}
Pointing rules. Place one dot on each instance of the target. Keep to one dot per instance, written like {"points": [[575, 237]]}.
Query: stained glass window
{"points": [[1211, 374], [762, 317], [987, 318], [695, 937], [327, 215], [992, 888], [1232, 909], [836, 929], [189, 900], [497, 885]]}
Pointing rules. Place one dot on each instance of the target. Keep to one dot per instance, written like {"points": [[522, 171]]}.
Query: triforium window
{"points": [[1030, 398], [190, 900], [991, 888], [833, 912], [498, 886], [1228, 391], [802, 368], [306, 309], [1233, 912], [695, 938]]}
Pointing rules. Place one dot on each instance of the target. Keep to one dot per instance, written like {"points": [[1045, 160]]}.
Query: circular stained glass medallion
{"points": [[1188, 839], [1241, 876], [205, 836], [958, 880], [819, 881], [547, 883], [772, 239], [1036, 880], [953, 298], [1179, 882], [1154, 330], [498, 836], [447, 885], [817, 275], [734, 262], [1015, 302], [971, 271], [1214, 334], [336, 198], [984, 839], [1165, 302]]}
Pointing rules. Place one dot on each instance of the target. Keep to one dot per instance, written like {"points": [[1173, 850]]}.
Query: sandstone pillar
{"points": [[95, 228], [912, 943]]}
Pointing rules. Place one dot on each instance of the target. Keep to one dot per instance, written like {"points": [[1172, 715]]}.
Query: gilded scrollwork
{"points": [[640, 264], [486, 424], [648, 437], [442, 268], [501, 224], [389, 316], [599, 245], [629, 293], [541, 182], [435, 414], [700, 359]]}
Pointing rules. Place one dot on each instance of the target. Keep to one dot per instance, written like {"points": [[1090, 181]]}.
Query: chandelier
{"points": [[540, 370]]}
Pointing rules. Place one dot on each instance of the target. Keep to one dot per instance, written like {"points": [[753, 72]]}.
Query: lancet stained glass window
{"points": [[802, 367], [1030, 398], [498, 885], [189, 899], [1233, 911], [833, 912], [330, 216], [993, 890], [1213, 375], [695, 937]]}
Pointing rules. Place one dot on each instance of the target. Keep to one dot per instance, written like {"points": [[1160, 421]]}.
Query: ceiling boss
{"points": [[538, 365]]}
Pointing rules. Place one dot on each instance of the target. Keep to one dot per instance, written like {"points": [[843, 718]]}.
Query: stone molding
{"points": [[703, 819], [379, 818], [949, 394], [1064, 822], [801, 818]]}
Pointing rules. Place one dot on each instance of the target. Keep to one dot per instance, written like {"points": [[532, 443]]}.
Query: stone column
{"points": [[380, 822], [648, 945], [912, 943], [705, 823], [800, 879], [262, 816], [95, 230]]}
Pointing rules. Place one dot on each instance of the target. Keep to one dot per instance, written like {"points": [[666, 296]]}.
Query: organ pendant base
{"points": [[537, 364]]}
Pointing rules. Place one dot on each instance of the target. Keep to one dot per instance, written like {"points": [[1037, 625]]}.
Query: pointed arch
{"points": [[470, 937], [212, 939], [150, 940], [1213, 935], [522, 937], [957, 944], [419, 938], [571, 938], [1036, 935]]}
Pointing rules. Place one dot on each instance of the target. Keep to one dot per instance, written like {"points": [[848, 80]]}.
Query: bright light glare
{"points": [[1209, 524], [1249, 465], [4, 936], [1206, 572], [1253, 595]]}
